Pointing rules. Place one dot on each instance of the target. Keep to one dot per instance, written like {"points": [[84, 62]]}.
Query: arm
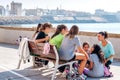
{"points": [[109, 58], [111, 52], [91, 62], [91, 65], [41, 40]]}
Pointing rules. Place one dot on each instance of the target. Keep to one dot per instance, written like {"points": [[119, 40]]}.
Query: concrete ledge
{"points": [[95, 33], [18, 28], [80, 33], [11, 34]]}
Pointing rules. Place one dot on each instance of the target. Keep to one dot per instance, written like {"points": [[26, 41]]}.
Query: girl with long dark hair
{"points": [[58, 36], [96, 67]]}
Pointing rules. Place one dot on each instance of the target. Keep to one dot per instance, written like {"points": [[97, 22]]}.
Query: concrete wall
{"points": [[8, 35]]}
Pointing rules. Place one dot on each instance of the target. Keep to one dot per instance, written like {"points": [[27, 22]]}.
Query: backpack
{"points": [[46, 48], [107, 73]]}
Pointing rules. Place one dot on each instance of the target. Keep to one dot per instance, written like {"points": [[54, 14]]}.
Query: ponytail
{"points": [[38, 28], [59, 29], [104, 33], [73, 31]]}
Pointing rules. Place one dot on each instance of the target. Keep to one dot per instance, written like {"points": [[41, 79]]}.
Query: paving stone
{"points": [[9, 60]]}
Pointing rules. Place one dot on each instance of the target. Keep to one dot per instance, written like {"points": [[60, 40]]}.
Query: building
{"points": [[31, 12], [2, 11], [16, 8], [34, 12], [7, 10]]}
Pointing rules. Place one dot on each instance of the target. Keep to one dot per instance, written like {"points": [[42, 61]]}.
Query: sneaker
{"points": [[83, 77], [64, 74], [46, 66], [38, 64]]}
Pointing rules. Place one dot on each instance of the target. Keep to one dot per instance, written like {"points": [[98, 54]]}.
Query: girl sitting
{"points": [[67, 49], [96, 67]]}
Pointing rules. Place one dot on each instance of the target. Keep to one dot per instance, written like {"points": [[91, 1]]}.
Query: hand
{"points": [[105, 60], [47, 38], [35, 42]]}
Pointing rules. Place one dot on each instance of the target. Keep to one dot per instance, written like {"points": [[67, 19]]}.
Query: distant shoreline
{"points": [[82, 21], [57, 19], [113, 35], [85, 27]]}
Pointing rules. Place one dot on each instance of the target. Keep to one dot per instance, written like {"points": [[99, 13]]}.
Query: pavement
{"points": [[9, 60]]}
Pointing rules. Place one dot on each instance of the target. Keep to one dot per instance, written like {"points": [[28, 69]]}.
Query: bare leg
{"points": [[82, 57]]}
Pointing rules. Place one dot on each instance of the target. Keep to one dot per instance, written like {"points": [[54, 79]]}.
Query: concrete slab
{"points": [[9, 60]]}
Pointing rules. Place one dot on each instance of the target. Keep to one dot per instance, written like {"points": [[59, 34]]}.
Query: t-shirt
{"points": [[57, 40], [41, 35], [107, 50], [67, 48], [98, 68]]}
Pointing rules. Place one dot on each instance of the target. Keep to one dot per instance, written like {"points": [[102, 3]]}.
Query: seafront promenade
{"points": [[11, 34], [9, 60], [9, 56]]}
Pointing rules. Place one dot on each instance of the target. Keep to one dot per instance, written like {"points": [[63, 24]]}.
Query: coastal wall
{"points": [[10, 35]]}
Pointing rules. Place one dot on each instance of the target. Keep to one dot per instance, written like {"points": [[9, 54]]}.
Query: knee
{"points": [[83, 58]]}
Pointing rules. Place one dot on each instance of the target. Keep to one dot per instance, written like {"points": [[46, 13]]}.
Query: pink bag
{"points": [[107, 73], [46, 48]]}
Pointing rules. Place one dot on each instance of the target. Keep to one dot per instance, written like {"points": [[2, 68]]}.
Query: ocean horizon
{"points": [[88, 27]]}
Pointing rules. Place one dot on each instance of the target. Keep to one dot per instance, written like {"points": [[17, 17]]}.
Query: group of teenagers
{"points": [[69, 47]]}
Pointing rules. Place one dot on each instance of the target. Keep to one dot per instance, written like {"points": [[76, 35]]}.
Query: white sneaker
{"points": [[64, 74], [46, 66], [83, 77]]}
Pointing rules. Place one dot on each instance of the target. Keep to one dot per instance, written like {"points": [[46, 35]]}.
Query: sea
{"points": [[87, 27]]}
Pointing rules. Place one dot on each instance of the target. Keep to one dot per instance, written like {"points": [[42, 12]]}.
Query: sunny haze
{"points": [[78, 5]]}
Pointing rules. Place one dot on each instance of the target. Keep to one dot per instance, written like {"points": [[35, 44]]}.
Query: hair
{"points": [[38, 29], [59, 29], [97, 50], [104, 33], [46, 25], [85, 43], [73, 31]]}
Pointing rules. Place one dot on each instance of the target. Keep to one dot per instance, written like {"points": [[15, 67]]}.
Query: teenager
{"points": [[106, 47], [43, 37], [96, 67], [67, 49]]}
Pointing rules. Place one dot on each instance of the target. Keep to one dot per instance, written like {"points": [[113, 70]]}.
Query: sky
{"points": [[77, 5]]}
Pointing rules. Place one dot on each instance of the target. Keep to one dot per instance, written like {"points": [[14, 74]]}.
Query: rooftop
{"points": [[9, 60]]}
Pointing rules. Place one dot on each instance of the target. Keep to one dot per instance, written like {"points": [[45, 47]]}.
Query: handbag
{"points": [[46, 48]]}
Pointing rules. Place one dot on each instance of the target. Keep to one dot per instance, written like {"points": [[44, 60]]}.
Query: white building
{"points": [[7, 12], [2, 11], [16, 8]]}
